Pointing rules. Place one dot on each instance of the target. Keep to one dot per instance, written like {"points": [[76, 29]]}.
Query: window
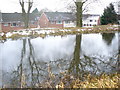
{"points": [[14, 24], [84, 24], [95, 20], [22, 24], [90, 20], [32, 22], [67, 22], [58, 22], [5, 24], [52, 22]]}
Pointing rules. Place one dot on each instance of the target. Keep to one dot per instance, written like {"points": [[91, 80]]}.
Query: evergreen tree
{"points": [[35, 11], [109, 15]]}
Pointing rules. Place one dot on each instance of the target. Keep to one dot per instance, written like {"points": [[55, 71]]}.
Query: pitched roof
{"points": [[60, 16], [90, 16], [11, 17], [67, 16]]}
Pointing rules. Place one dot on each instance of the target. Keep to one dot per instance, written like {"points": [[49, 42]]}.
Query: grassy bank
{"points": [[60, 31]]}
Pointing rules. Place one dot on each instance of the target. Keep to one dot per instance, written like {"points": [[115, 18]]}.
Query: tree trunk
{"points": [[79, 14], [26, 20], [25, 14]]}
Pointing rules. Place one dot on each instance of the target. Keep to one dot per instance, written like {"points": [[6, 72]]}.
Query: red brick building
{"points": [[57, 20], [13, 21]]}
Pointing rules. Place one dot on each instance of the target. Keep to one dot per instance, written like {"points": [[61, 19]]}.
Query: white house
{"points": [[90, 20]]}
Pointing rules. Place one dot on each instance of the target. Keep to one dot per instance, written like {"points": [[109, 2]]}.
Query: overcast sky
{"points": [[54, 5]]}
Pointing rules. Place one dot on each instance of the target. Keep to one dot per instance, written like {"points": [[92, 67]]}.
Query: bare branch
{"points": [[86, 6], [30, 6], [25, 14], [85, 1], [74, 1]]}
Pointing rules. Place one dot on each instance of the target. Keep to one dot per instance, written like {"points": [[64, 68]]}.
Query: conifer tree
{"points": [[109, 16]]}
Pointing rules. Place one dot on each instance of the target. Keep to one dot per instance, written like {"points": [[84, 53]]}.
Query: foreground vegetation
{"points": [[102, 81], [90, 81]]}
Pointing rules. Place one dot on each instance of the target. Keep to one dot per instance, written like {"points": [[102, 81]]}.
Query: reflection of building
{"points": [[14, 21], [65, 19]]}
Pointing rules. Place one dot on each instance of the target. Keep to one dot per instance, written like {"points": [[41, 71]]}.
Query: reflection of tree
{"points": [[32, 73], [33, 64], [118, 52], [74, 65], [21, 62], [86, 64], [108, 37], [30, 70], [16, 79]]}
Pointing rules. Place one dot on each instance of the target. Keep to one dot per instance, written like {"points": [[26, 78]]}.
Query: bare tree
{"points": [[79, 9], [25, 14]]}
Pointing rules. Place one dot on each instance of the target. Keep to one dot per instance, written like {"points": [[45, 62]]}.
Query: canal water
{"points": [[35, 60]]}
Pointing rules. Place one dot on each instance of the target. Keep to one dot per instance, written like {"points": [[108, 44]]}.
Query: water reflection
{"points": [[28, 62], [118, 64], [84, 62], [108, 37], [74, 65]]}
